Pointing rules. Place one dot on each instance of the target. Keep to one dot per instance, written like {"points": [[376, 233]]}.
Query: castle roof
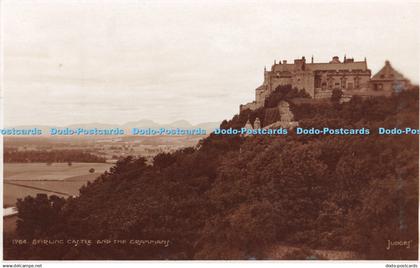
{"points": [[357, 65], [334, 65], [387, 73]]}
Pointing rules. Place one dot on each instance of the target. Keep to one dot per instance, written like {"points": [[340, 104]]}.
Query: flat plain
{"points": [[61, 179]]}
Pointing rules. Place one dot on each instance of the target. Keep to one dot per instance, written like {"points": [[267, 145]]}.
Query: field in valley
{"points": [[22, 179]]}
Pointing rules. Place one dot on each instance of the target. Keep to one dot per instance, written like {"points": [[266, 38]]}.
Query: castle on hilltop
{"points": [[319, 80]]}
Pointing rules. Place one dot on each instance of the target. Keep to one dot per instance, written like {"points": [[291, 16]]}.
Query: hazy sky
{"points": [[116, 61]]}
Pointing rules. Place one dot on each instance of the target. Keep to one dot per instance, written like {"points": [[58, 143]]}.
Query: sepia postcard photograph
{"points": [[260, 132]]}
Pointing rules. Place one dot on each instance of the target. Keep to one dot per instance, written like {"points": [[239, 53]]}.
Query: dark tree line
{"points": [[50, 156]]}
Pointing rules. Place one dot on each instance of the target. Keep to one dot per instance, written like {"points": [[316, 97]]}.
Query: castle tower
{"points": [[248, 125], [285, 113], [257, 123]]}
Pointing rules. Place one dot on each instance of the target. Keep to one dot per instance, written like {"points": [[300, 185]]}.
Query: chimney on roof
{"points": [[284, 61], [348, 60], [312, 59], [335, 59]]}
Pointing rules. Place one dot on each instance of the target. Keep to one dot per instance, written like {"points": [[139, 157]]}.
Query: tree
{"points": [[163, 160], [336, 95], [40, 215]]}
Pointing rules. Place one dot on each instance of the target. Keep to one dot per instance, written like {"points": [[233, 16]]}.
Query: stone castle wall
{"points": [[317, 79]]}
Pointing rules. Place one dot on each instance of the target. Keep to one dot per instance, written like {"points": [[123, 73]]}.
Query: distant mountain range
{"points": [[143, 123]]}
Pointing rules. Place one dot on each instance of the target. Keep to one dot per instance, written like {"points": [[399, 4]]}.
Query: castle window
{"points": [[378, 87], [343, 82], [350, 86], [357, 82], [330, 83], [317, 82]]}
